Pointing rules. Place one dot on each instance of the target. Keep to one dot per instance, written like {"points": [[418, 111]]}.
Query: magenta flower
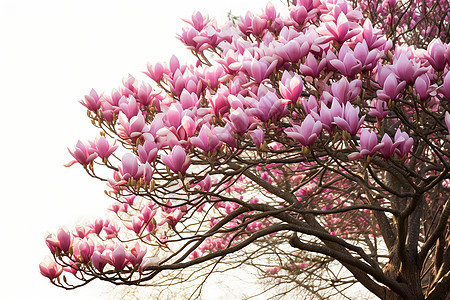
{"points": [[368, 145], [294, 50], [347, 64], [311, 67], [339, 30], [155, 72], [404, 142], [82, 154], [149, 150], [206, 140], [326, 116], [223, 133], [102, 147], [445, 88], [177, 161], [423, 87], [291, 86], [64, 238], [98, 261], [307, 133], [436, 53], [49, 268], [257, 136], [130, 167], [91, 101], [259, 69], [136, 254], [118, 258], [269, 107], [350, 120], [239, 121], [129, 106], [133, 127], [85, 250], [379, 109], [391, 88], [407, 69]]}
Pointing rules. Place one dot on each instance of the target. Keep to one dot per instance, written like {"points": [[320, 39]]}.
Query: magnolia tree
{"points": [[313, 145]]}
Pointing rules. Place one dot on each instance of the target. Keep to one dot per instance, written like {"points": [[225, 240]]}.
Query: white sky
{"points": [[52, 52]]}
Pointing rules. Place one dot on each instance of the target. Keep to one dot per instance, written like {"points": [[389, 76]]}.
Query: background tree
{"points": [[310, 146]]}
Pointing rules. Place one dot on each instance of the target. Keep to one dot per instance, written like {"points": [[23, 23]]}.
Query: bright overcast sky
{"points": [[52, 52]]}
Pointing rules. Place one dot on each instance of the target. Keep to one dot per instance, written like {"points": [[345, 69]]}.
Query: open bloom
{"points": [[49, 268], [102, 147], [177, 161], [308, 133], [368, 145], [83, 154]]}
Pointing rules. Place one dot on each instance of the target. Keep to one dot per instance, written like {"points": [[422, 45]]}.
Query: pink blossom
{"points": [[350, 120], [379, 109], [130, 167], [82, 154], [102, 147], [239, 121], [307, 133], [259, 69], [177, 161], [339, 30], [291, 86], [391, 88], [206, 140], [311, 67], [445, 88], [91, 101], [368, 145], [257, 136], [436, 53], [49, 268]]}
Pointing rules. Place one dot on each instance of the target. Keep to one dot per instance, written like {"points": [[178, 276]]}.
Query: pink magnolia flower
{"points": [[347, 64], [436, 53], [177, 161], [239, 121], [149, 150], [294, 50], [50, 269], [136, 254], [368, 145], [339, 30], [257, 136], [259, 69], [91, 101], [326, 115], [132, 127], [98, 261], [445, 88], [155, 72], [311, 67], [269, 107], [307, 133], [85, 249], [407, 69], [405, 142], [206, 140], [82, 154], [391, 88], [129, 106], [291, 86], [350, 120], [379, 109], [130, 167], [423, 87], [102, 147]]}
